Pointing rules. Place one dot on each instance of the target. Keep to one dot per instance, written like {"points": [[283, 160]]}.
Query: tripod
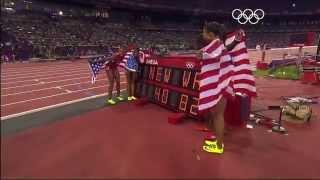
{"points": [[276, 126]]}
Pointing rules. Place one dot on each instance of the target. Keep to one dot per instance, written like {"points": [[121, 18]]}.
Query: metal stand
{"points": [[279, 128], [276, 126]]}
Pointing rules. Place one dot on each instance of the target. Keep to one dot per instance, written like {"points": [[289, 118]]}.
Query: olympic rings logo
{"points": [[248, 15], [190, 65]]}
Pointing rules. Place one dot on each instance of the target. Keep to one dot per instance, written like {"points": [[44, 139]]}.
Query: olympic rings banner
{"points": [[248, 16]]}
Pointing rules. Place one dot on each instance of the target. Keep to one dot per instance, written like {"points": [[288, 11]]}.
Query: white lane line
{"points": [[56, 87], [5, 70], [50, 77], [54, 106], [30, 75], [45, 97], [48, 82], [36, 68], [21, 71], [21, 86], [68, 91]]}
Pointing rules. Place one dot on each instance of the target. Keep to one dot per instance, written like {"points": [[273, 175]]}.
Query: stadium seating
{"points": [[33, 34]]}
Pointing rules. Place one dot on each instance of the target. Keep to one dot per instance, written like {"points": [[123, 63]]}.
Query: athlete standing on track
{"points": [[215, 83], [132, 69], [114, 75]]}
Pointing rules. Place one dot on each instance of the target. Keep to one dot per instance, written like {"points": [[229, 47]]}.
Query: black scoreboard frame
{"points": [[171, 83]]}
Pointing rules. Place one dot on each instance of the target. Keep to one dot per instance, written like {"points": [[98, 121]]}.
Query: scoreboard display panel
{"points": [[171, 82]]}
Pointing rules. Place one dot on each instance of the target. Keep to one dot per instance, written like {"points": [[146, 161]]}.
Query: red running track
{"points": [[31, 87]]}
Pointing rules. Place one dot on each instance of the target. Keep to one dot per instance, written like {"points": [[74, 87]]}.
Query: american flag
{"points": [[243, 79], [215, 76], [124, 61], [96, 64]]}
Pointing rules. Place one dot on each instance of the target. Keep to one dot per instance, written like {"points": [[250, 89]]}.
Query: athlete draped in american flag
{"points": [[215, 83], [131, 60]]}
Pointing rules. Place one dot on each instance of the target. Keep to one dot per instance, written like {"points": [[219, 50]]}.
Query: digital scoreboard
{"points": [[171, 81]]}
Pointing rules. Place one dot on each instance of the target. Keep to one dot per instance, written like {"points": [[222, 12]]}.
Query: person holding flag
{"points": [[215, 83], [130, 62], [113, 74], [132, 69]]}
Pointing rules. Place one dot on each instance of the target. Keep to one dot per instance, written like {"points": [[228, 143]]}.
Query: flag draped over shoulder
{"points": [[125, 59], [129, 62], [95, 65], [215, 76], [243, 79]]}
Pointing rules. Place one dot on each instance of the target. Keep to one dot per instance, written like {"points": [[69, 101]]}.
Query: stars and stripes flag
{"points": [[215, 76], [95, 65], [243, 79], [125, 63]]}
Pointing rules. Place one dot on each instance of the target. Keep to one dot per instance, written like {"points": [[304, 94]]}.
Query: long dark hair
{"points": [[215, 27], [200, 43]]}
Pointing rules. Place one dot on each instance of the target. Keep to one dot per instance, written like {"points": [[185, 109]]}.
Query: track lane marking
{"points": [[51, 77], [48, 82], [56, 87], [45, 97], [39, 79], [68, 91], [21, 72], [55, 106], [27, 75], [41, 67]]}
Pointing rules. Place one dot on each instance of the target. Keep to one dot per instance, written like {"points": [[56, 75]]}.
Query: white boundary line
{"points": [[38, 66], [54, 106], [87, 77], [38, 83], [50, 63], [15, 70], [45, 97], [42, 76], [28, 73], [41, 79], [22, 70], [54, 87], [304, 47]]}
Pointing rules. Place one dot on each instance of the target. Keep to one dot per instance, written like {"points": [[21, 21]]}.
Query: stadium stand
{"points": [[34, 34]]}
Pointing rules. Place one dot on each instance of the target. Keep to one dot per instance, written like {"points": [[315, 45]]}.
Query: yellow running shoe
{"points": [[133, 98], [129, 98], [120, 98], [213, 149], [111, 101], [208, 142]]}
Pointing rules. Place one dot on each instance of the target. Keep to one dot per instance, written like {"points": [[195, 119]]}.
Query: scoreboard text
{"points": [[173, 85]]}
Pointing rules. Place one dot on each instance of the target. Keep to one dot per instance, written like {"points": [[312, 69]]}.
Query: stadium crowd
{"points": [[37, 35]]}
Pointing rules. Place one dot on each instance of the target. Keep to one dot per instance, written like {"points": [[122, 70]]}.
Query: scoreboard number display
{"points": [[171, 84]]}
